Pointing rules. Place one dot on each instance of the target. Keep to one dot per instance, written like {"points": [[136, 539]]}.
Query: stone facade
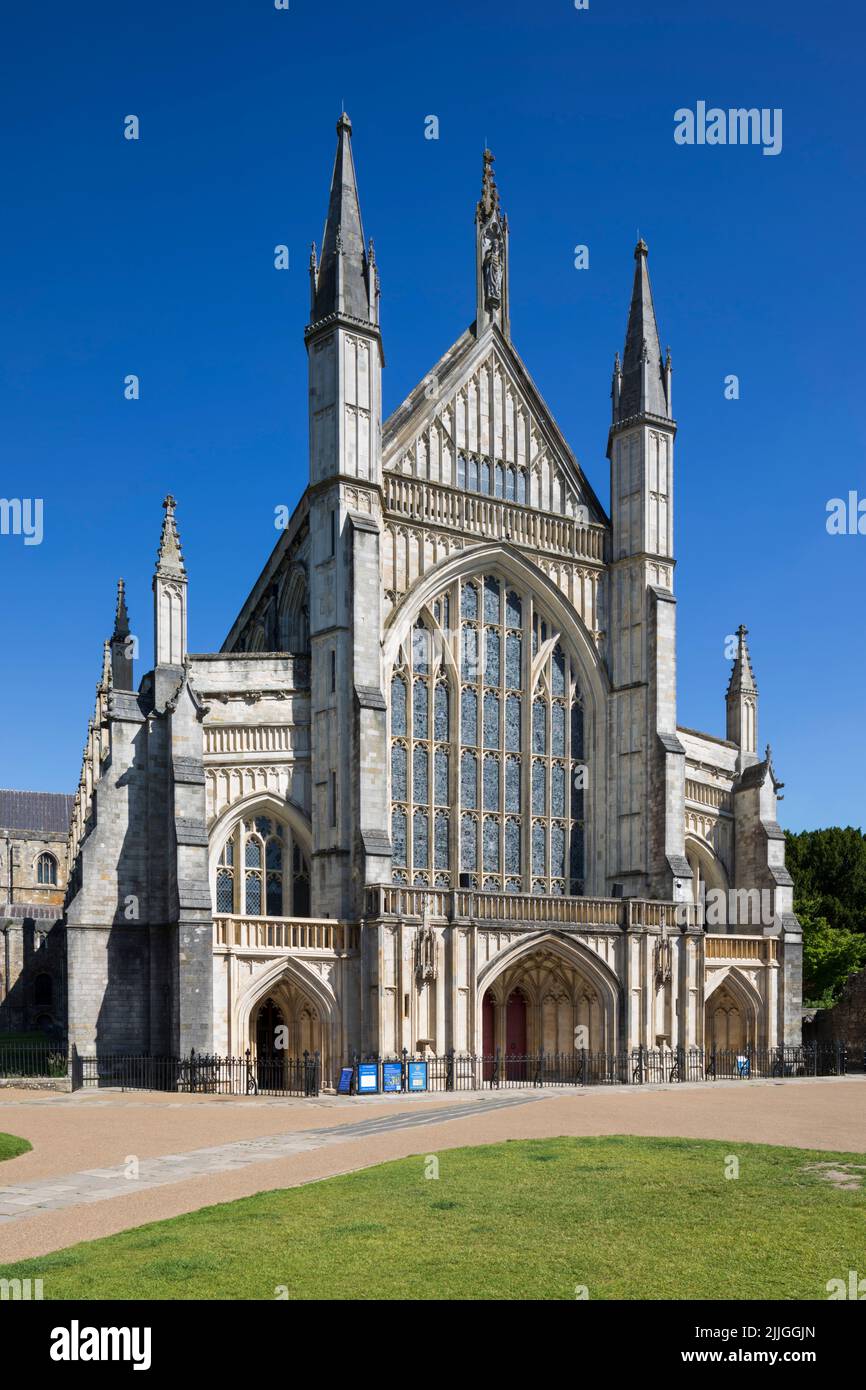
{"points": [[33, 875], [432, 792]]}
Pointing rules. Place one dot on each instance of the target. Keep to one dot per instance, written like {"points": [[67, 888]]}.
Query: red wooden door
{"points": [[515, 1035]]}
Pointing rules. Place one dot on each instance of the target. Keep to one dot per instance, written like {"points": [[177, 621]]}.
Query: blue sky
{"points": [[155, 257]]}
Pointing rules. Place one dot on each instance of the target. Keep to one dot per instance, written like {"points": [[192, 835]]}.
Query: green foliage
{"points": [[829, 872], [830, 955], [621, 1217]]}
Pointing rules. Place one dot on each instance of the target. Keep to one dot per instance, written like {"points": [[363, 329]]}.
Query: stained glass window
{"points": [[521, 829], [275, 881]]}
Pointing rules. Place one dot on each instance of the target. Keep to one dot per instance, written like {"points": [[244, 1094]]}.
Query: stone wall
{"points": [[846, 1022]]}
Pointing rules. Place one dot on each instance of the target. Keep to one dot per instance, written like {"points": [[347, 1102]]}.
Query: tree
{"points": [[829, 871], [830, 955]]}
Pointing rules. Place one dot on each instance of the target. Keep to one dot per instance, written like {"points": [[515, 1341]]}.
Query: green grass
{"points": [[11, 1146], [628, 1218]]}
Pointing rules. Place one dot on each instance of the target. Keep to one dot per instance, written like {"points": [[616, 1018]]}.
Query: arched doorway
{"points": [[284, 1024], [270, 1051], [729, 1021], [553, 999]]}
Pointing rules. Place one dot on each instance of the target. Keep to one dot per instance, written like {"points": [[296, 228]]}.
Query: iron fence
{"points": [[277, 1075], [638, 1066], [31, 1061], [202, 1073]]}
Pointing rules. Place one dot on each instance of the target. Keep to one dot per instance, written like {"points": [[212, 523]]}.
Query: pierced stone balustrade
{"points": [[286, 934], [525, 909]]}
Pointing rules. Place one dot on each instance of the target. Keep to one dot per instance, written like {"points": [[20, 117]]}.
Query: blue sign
{"points": [[417, 1076], [368, 1078], [392, 1076], [344, 1085]]}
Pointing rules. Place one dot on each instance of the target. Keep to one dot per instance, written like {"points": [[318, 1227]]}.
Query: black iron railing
{"points": [[278, 1075], [31, 1060], [638, 1066], [203, 1073]]}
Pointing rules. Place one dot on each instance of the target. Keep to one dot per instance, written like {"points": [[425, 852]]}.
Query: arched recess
{"points": [[308, 1006], [733, 1012], [566, 987], [566, 631], [294, 617], [708, 871], [248, 808]]}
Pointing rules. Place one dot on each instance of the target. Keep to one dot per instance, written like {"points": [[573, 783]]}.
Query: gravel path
{"points": [[107, 1161]]}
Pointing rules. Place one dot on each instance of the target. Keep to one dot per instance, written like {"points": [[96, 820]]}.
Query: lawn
{"points": [[11, 1146], [535, 1219]]}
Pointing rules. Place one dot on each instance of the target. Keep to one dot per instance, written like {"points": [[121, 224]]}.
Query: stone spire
{"points": [[491, 254], [344, 280], [169, 559], [742, 700], [641, 382], [121, 644], [169, 594]]}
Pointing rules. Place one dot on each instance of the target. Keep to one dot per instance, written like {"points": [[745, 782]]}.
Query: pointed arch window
{"points": [[46, 870], [487, 747], [263, 871]]}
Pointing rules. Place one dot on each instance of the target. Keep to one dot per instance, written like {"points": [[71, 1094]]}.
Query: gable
{"points": [[478, 423]]}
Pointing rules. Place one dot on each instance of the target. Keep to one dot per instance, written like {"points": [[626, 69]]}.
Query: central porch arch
{"points": [[549, 993]]}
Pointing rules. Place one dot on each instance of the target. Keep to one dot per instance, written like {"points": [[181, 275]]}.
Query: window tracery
{"points": [[487, 747]]}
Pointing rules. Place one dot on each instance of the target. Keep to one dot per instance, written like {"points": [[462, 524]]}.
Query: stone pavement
{"points": [[191, 1152], [99, 1184]]}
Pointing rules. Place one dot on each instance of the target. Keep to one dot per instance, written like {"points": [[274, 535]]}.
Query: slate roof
{"points": [[35, 810]]}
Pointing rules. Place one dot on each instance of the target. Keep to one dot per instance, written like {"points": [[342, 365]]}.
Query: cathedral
{"points": [[432, 792]]}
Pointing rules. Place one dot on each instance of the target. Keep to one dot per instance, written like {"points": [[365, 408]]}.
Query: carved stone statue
{"points": [[425, 954], [492, 266]]}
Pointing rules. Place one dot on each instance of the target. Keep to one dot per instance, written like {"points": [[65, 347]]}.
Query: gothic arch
{"points": [[289, 981], [512, 565], [708, 871], [508, 566], [498, 976], [256, 803], [294, 622], [731, 983]]}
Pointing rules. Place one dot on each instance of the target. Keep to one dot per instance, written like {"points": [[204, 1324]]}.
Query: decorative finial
{"points": [[169, 559], [489, 202], [641, 249]]}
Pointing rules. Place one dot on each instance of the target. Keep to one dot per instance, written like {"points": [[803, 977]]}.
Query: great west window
{"points": [[487, 768]]}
